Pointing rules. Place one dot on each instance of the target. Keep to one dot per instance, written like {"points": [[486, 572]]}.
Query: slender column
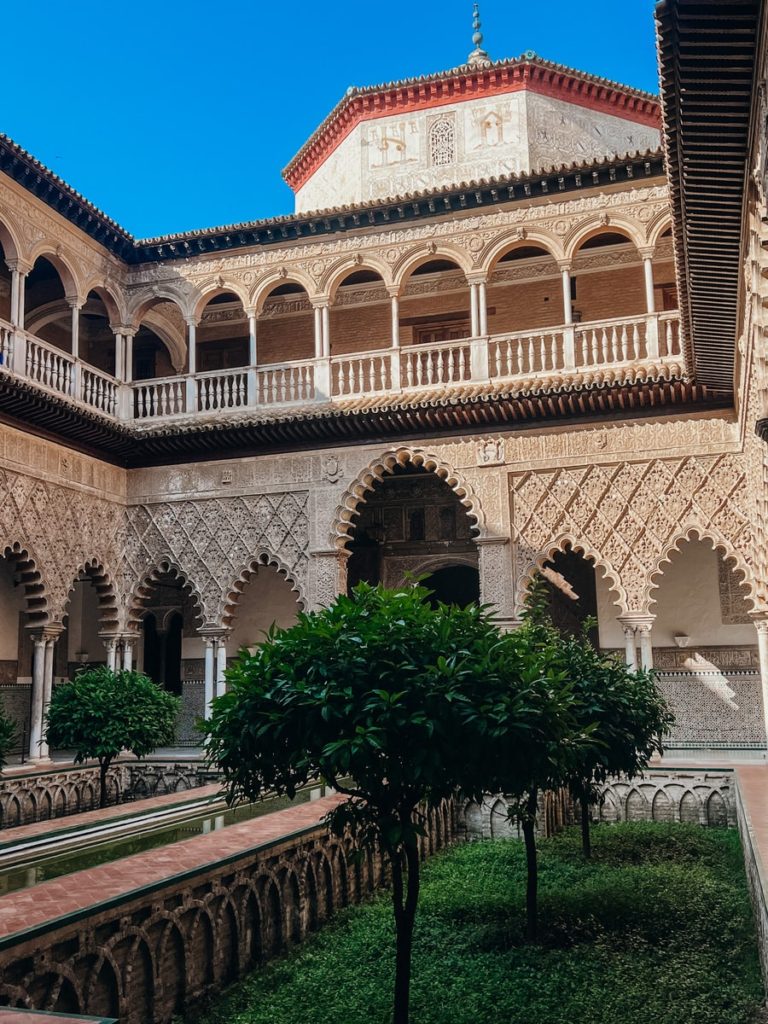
{"points": [[73, 303], [482, 300], [326, 311], [474, 310], [128, 359], [119, 355], [762, 649], [209, 674], [221, 666], [128, 643], [395, 301], [650, 300], [14, 295], [646, 647], [111, 646], [50, 645], [21, 301], [629, 647], [567, 301], [191, 346], [318, 333], [251, 337], [38, 693]]}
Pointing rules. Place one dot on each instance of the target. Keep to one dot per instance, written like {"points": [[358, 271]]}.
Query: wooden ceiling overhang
{"points": [[251, 433], [707, 51]]}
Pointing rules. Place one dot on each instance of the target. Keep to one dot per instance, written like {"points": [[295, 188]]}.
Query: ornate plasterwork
{"points": [[629, 517], [212, 542], [384, 464]]}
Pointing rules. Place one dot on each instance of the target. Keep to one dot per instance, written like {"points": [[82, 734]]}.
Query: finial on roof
{"points": [[478, 55]]}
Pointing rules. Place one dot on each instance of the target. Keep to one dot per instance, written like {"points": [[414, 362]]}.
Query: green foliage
{"points": [[656, 929], [102, 712], [7, 737], [379, 694]]}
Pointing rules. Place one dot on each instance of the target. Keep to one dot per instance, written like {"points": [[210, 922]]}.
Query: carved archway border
{"points": [[35, 590], [384, 465], [581, 547], [733, 558], [261, 559], [143, 589], [106, 595], [433, 563]]}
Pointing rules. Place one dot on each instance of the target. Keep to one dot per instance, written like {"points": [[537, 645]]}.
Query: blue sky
{"points": [[172, 116]]}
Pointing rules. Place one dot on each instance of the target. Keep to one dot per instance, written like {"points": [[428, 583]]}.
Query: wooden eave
{"points": [[707, 51], [33, 411]]}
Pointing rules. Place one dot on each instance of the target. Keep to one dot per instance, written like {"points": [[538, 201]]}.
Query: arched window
{"points": [[442, 143]]}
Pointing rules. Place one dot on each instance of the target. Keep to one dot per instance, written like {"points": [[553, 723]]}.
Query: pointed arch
{"points": [[143, 589], [249, 569], [732, 556], [581, 547], [31, 578], [385, 464], [106, 595]]}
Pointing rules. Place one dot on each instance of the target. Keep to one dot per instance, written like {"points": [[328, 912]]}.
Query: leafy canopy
{"points": [[102, 712], [7, 737], [389, 700]]}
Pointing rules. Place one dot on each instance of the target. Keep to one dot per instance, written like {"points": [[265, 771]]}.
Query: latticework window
{"points": [[442, 143]]}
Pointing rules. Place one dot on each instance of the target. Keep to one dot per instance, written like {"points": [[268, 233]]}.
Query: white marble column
{"points": [[318, 332], [650, 300], [646, 645], [567, 301], [474, 310], [251, 314], [14, 294], [110, 643], [630, 648], [209, 676], [191, 345], [50, 649], [221, 666], [326, 313], [482, 304], [38, 697], [395, 302], [128, 356], [128, 643]]}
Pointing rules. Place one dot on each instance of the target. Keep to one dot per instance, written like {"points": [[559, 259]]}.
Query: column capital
{"points": [[638, 622], [320, 302], [478, 277], [42, 634], [760, 620], [74, 302], [564, 265], [251, 312], [19, 265], [191, 321], [393, 291], [646, 252], [491, 539], [213, 633]]}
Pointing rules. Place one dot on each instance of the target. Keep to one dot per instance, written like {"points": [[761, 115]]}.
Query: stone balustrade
{"points": [[556, 354]]}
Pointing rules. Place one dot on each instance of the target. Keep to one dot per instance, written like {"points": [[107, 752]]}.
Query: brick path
{"points": [[753, 786], [20, 911]]}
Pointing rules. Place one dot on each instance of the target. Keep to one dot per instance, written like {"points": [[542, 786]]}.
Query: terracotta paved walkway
{"points": [[8, 1016], [753, 786], [20, 911], [127, 810]]}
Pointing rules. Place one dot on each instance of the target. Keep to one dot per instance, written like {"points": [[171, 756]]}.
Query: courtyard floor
{"points": [[656, 929]]}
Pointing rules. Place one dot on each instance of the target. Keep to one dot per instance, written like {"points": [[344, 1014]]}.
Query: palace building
{"points": [[513, 324]]}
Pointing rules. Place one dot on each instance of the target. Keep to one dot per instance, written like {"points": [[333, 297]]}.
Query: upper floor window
{"points": [[442, 143]]}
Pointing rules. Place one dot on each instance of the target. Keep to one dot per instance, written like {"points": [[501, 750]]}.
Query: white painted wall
{"points": [[390, 156], [687, 601]]}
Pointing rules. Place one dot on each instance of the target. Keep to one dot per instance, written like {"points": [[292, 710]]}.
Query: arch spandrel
{"points": [[385, 464]]}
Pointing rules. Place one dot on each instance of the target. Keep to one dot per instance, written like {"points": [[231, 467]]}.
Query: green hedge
{"points": [[657, 929]]}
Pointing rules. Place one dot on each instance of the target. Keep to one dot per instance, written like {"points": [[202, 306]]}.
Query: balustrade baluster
{"points": [[668, 338], [531, 357], [451, 366], [635, 341]]}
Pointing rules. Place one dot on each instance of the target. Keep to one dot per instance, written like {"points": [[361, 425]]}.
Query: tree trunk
{"points": [[532, 887], [586, 839], [405, 915], [103, 771]]}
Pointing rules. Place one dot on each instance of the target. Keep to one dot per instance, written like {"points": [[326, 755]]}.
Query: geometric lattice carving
{"points": [[62, 529], [211, 542], [629, 516]]}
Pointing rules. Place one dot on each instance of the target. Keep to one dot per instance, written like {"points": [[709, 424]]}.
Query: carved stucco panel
{"points": [[630, 515], [211, 541]]}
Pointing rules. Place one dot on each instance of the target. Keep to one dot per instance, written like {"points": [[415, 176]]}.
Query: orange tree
{"points": [[396, 705], [101, 712]]}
